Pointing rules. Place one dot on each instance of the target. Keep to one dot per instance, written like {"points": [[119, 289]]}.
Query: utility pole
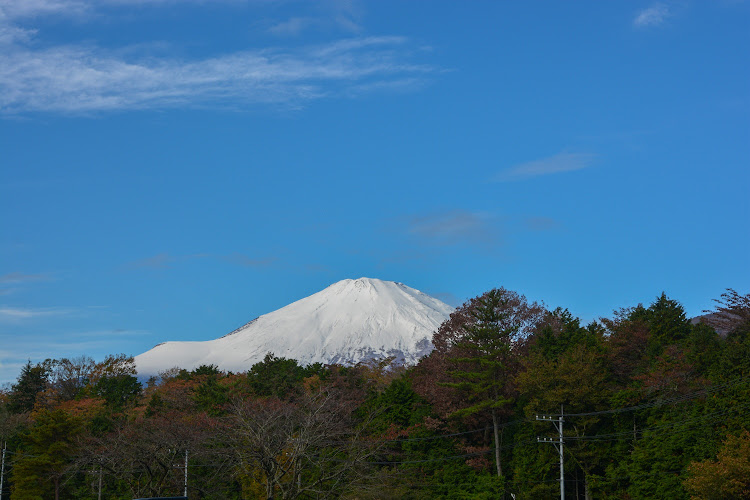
{"points": [[2, 470], [558, 423], [186, 465]]}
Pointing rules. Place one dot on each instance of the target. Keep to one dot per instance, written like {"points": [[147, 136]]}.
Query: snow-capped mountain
{"points": [[348, 322]]}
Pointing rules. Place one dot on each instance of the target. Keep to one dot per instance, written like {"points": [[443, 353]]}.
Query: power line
{"points": [[667, 425], [596, 437], [454, 434], [676, 399]]}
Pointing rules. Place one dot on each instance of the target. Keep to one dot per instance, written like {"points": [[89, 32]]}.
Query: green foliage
{"points": [[275, 376], [562, 332], [32, 380], [482, 362], [47, 451], [397, 407], [576, 381], [734, 361], [655, 407], [658, 457], [118, 391], [206, 371], [211, 396], [704, 348], [667, 323]]}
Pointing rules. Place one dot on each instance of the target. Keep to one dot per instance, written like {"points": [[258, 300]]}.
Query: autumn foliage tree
{"points": [[655, 407], [728, 476], [299, 448], [478, 349]]}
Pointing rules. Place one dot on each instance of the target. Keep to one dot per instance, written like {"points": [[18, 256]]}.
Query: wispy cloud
{"points": [[86, 78], [10, 34], [561, 162], [111, 333], [456, 227], [18, 313], [447, 297], [75, 79], [18, 278], [541, 223], [160, 261], [18, 346], [293, 26], [14, 9], [317, 268], [400, 256], [246, 261], [652, 16], [166, 260]]}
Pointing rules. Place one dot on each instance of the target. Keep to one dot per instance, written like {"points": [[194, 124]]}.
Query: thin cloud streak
{"points": [[160, 261], [111, 333], [457, 227], [14, 9], [561, 162], [293, 26], [242, 260], [17, 278], [85, 79], [74, 79], [166, 261], [19, 314], [652, 16], [541, 223]]}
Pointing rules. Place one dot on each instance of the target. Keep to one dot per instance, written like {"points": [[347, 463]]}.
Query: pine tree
{"points": [[32, 380], [48, 449], [482, 356]]}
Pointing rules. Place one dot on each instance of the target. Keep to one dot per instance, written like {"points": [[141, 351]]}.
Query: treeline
{"points": [[653, 406]]}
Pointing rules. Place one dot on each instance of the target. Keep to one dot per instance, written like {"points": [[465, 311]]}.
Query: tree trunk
{"points": [[586, 489], [269, 488], [496, 427]]}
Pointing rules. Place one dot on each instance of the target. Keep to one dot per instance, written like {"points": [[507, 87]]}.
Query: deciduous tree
{"points": [[294, 449], [726, 477]]}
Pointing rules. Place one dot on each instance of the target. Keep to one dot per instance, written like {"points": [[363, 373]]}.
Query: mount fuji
{"points": [[346, 323]]}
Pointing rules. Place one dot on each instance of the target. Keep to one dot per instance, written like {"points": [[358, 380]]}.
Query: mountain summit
{"points": [[348, 322]]}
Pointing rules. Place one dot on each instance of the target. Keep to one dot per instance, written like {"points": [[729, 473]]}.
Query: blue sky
{"points": [[171, 169]]}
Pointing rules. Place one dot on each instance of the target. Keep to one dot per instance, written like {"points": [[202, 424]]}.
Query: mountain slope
{"points": [[348, 322]]}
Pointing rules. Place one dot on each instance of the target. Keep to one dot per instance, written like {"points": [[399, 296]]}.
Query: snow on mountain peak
{"points": [[348, 322]]}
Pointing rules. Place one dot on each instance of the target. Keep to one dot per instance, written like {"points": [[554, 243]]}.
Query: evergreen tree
{"points": [[667, 323], [118, 390], [48, 449], [275, 376], [32, 380], [483, 360]]}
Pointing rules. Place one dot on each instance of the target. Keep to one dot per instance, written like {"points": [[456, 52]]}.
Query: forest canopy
{"points": [[655, 405]]}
